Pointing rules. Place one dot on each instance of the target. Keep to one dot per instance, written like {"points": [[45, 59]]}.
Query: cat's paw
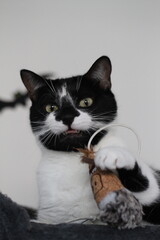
{"points": [[113, 158]]}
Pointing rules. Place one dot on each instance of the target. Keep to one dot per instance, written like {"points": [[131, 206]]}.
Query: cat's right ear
{"points": [[32, 82], [100, 72]]}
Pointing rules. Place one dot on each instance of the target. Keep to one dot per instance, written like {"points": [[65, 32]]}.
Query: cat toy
{"points": [[118, 206]]}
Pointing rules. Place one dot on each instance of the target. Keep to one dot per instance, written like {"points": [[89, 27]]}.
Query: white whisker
{"points": [[46, 137], [52, 89], [52, 86], [103, 113]]}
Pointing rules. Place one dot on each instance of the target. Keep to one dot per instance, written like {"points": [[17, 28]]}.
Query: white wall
{"points": [[66, 37]]}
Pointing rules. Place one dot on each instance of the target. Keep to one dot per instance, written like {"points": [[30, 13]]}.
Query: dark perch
{"points": [[15, 225]]}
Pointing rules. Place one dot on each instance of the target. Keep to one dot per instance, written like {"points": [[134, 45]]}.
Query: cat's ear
{"points": [[100, 71], [32, 82]]}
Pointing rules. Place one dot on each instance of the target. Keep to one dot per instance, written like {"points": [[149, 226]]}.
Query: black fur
{"points": [[133, 179]]}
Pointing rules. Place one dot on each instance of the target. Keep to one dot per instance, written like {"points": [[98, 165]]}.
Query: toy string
{"points": [[117, 125]]}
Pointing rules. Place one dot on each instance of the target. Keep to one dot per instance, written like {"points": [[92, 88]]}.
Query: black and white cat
{"points": [[64, 114]]}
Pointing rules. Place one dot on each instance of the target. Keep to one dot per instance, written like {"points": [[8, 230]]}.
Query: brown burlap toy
{"points": [[118, 207]]}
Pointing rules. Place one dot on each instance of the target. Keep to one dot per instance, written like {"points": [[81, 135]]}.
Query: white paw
{"points": [[113, 158]]}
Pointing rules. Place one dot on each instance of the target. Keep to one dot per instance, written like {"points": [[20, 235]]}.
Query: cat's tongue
{"points": [[71, 131]]}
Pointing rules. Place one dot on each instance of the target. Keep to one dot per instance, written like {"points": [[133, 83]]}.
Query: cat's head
{"points": [[66, 112]]}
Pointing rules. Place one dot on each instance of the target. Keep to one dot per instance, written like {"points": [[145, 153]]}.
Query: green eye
{"points": [[51, 108], [86, 102]]}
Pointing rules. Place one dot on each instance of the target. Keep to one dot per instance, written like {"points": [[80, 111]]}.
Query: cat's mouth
{"points": [[71, 132]]}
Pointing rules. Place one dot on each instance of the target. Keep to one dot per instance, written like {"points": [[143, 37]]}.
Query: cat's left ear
{"points": [[32, 82], [101, 71]]}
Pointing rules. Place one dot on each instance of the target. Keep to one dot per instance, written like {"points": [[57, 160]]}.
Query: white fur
{"points": [[114, 157], [55, 126], [64, 188], [65, 192], [82, 122], [63, 92]]}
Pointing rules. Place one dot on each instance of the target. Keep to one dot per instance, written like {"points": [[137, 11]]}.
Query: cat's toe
{"points": [[105, 159], [113, 158]]}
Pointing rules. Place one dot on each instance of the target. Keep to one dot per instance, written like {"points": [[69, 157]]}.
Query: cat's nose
{"points": [[67, 116], [67, 120]]}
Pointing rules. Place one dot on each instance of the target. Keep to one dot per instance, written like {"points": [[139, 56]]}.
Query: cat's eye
{"points": [[51, 108], [86, 102]]}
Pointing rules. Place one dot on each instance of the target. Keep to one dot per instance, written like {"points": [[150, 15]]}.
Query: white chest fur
{"points": [[64, 188], [65, 192]]}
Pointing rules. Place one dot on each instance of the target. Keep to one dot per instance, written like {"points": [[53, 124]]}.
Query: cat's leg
{"points": [[137, 177], [145, 189]]}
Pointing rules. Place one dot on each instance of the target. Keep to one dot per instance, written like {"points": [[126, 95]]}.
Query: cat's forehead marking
{"points": [[64, 95], [63, 91]]}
